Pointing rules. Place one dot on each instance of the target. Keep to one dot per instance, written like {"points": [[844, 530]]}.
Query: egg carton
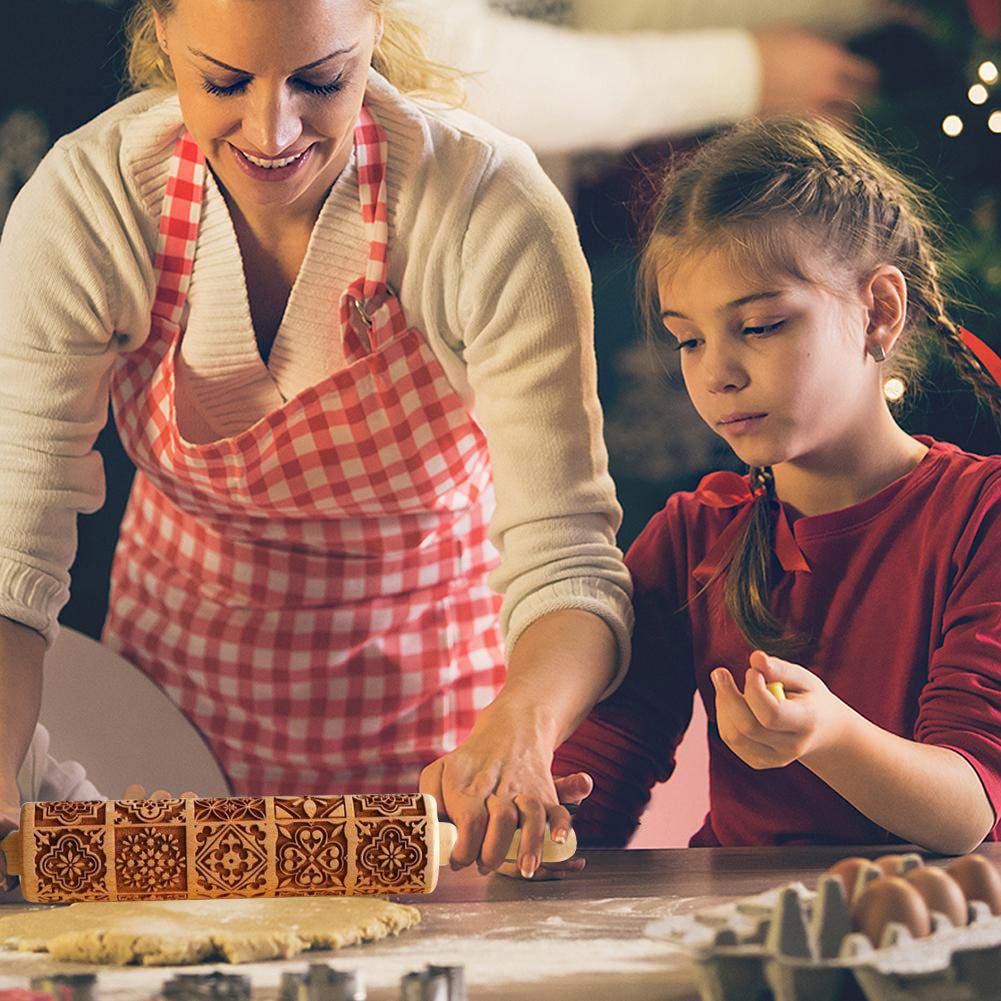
{"points": [[792, 944]]}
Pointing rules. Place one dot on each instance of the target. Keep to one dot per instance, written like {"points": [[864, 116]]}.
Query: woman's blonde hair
{"points": [[400, 56], [799, 197]]}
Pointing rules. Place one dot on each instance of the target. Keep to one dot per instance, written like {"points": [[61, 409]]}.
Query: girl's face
{"points": [[270, 90], [778, 367]]}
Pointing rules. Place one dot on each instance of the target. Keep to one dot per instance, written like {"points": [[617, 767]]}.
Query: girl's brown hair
{"points": [[777, 197], [400, 56]]}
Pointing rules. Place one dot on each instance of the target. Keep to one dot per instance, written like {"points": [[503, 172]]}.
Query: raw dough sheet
{"points": [[180, 932]]}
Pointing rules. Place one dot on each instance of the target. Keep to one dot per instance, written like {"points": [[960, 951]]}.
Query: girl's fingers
{"points": [[794, 677], [731, 704], [773, 715], [134, 791]]}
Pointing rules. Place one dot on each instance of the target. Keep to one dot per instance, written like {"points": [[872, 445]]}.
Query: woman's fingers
{"points": [[546, 871], [469, 814], [533, 832], [502, 822], [559, 820]]}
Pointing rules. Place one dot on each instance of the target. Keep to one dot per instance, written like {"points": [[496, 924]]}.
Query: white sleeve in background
{"points": [[835, 20], [562, 90], [43, 779]]}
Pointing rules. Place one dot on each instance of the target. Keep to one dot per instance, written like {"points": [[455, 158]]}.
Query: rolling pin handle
{"points": [[11, 849], [551, 851]]}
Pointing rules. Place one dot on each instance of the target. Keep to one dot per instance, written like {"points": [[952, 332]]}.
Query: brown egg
{"points": [[890, 864], [847, 870], [941, 892], [978, 879], [890, 899]]}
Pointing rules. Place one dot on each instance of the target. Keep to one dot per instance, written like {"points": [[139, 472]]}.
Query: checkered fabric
{"points": [[312, 592]]}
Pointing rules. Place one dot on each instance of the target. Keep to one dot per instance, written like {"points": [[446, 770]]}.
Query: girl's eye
{"points": [[763, 331], [685, 345], [321, 89]]}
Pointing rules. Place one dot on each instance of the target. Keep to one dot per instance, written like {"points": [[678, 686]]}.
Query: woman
{"points": [[333, 324]]}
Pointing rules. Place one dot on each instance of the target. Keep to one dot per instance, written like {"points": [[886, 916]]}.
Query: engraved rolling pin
{"points": [[268, 846]]}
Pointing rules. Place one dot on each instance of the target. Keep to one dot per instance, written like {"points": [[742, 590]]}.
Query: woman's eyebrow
{"points": [[308, 66]]}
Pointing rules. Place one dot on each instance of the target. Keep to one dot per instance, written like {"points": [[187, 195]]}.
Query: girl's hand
{"points": [[572, 791], [765, 732], [494, 783]]}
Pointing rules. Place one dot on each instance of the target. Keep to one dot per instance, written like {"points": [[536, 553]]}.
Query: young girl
{"points": [[856, 565]]}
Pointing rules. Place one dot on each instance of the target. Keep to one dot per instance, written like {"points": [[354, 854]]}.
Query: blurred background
{"points": [[934, 111]]}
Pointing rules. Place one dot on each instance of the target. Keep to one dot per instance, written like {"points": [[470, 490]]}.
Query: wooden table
{"points": [[581, 938]]}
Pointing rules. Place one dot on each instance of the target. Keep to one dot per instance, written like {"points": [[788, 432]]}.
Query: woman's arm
{"points": [[21, 653], [522, 311]]}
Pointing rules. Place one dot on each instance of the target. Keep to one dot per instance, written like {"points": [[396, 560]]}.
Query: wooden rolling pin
{"points": [[268, 846]]}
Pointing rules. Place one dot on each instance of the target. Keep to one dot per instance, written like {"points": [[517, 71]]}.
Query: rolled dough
{"points": [[177, 932]]}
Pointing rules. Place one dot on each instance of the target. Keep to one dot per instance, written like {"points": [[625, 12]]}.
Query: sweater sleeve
{"points": [[628, 743], [524, 307], [960, 705], [562, 90], [59, 303]]}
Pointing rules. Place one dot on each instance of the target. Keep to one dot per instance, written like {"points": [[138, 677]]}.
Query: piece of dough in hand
{"points": [[177, 932]]}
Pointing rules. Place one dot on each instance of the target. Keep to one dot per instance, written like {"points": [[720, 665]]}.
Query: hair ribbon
{"points": [[725, 489], [986, 355]]}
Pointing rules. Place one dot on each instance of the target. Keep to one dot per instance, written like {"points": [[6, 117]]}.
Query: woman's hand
{"points": [[804, 74], [10, 820], [766, 732], [572, 791], [494, 783]]}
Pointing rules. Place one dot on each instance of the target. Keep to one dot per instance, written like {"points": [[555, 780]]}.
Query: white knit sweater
{"points": [[485, 257], [623, 71]]}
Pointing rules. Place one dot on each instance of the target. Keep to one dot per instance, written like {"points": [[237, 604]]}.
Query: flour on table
{"points": [[178, 932]]}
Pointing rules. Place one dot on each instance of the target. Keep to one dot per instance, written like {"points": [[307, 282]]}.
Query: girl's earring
{"points": [[877, 352]]}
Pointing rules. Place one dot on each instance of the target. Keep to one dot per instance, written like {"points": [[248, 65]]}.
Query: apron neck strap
{"points": [[175, 246], [371, 157]]}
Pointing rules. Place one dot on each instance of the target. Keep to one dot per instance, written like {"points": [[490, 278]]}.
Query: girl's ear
{"points": [[380, 29], [884, 295]]}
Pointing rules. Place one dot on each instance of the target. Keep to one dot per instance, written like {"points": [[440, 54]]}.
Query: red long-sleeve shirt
{"points": [[903, 601]]}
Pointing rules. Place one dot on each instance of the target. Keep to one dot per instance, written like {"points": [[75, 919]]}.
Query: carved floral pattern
{"points": [[141, 812], [311, 858], [230, 809], [70, 864], [231, 859], [86, 813], [391, 855], [389, 805], [310, 808], [151, 860]]}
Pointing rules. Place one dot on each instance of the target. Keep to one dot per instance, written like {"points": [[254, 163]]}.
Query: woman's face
{"points": [[270, 90]]}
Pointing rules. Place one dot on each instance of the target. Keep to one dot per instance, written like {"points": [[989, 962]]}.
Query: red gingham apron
{"points": [[312, 592]]}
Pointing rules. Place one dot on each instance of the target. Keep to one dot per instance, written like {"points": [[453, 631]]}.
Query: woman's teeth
{"points": [[272, 164]]}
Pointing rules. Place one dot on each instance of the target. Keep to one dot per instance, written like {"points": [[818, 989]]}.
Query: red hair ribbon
{"points": [[987, 356], [725, 489]]}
